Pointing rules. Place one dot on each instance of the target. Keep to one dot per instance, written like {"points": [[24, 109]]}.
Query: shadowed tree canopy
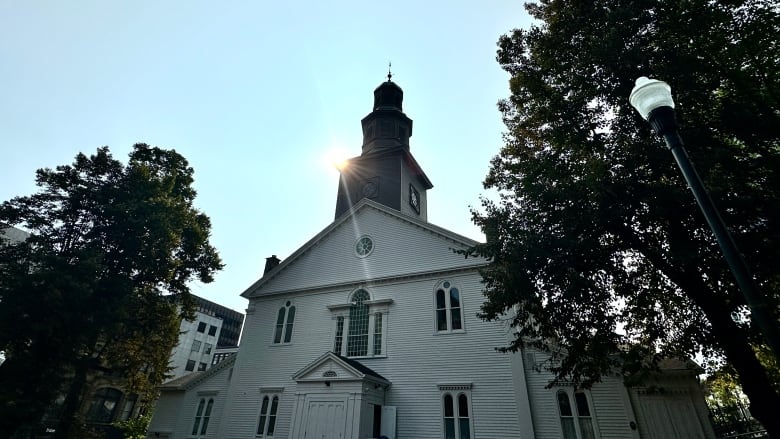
{"points": [[102, 280], [597, 246]]}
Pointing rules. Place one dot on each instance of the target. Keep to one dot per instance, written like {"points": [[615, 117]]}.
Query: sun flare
{"points": [[336, 157]]}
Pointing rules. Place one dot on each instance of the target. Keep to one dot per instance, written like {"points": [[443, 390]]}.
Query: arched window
{"points": [[284, 323], [267, 423], [361, 325], [289, 325], [576, 421], [457, 422], [104, 405], [448, 308], [357, 339], [201, 424]]}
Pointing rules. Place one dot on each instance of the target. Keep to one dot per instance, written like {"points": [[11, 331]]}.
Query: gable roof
{"points": [[362, 368], [334, 367], [189, 381], [361, 208]]}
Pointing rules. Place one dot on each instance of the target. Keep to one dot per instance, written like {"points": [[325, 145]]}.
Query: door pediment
{"points": [[332, 367]]}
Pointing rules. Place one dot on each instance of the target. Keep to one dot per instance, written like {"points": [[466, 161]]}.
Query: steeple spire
{"points": [[389, 73]]}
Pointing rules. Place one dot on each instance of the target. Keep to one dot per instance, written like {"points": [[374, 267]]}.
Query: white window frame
{"points": [[285, 330], [576, 417], [455, 391], [375, 307], [448, 309], [270, 393], [203, 411]]}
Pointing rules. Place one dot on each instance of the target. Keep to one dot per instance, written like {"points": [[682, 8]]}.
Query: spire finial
{"points": [[389, 73]]}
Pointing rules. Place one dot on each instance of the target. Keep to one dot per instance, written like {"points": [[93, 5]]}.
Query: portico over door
{"points": [[337, 398]]}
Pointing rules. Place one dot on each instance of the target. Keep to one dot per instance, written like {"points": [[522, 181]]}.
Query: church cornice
{"points": [[461, 242], [373, 282]]}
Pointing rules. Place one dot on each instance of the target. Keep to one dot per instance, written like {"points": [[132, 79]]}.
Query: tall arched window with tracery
{"points": [[357, 337], [360, 325]]}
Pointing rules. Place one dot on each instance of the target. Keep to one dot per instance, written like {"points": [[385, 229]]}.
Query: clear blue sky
{"points": [[254, 95]]}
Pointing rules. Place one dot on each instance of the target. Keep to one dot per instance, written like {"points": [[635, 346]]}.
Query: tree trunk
{"points": [[764, 401], [66, 428]]}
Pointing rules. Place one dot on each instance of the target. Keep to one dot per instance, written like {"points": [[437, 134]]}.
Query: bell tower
{"points": [[385, 171]]}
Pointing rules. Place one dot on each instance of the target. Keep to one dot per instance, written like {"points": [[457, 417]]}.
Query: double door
{"points": [[325, 420]]}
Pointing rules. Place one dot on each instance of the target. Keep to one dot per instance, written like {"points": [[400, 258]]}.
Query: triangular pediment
{"points": [[402, 247], [332, 367]]}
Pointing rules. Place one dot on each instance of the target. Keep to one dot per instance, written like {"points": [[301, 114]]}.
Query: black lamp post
{"points": [[653, 100]]}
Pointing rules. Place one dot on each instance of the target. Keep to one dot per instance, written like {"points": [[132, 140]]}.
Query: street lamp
{"points": [[653, 100]]}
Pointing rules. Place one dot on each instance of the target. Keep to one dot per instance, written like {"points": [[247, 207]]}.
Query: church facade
{"points": [[370, 329]]}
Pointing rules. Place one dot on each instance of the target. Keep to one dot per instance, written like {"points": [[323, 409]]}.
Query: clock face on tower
{"points": [[414, 198]]}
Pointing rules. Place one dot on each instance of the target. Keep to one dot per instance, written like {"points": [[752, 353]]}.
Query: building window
{"points": [[201, 326], [201, 424], [219, 357], [361, 326], [337, 343], [267, 423], [448, 308], [576, 420], [212, 330], [207, 348], [190, 366], [195, 346], [103, 406], [378, 333], [127, 408], [284, 323], [457, 418], [357, 340], [364, 246], [202, 366]]}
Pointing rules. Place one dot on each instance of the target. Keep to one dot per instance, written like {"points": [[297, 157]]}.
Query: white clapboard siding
{"points": [[608, 407], [166, 414], [402, 246], [176, 408], [417, 358], [681, 398], [409, 260]]}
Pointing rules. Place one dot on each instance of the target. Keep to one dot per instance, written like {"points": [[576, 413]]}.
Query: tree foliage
{"points": [[726, 400], [102, 280], [597, 247], [135, 428]]}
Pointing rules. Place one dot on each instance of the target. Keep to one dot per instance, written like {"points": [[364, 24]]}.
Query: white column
{"points": [[345, 337], [371, 325]]}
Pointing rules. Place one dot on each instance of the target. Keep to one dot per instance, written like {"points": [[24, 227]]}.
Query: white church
{"points": [[370, 330]]}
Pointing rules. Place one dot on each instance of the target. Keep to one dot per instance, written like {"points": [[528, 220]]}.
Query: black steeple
{"points": [[385, 171]]}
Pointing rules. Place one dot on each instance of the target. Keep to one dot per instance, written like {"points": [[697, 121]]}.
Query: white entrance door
{"points": [[325, 420]]}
